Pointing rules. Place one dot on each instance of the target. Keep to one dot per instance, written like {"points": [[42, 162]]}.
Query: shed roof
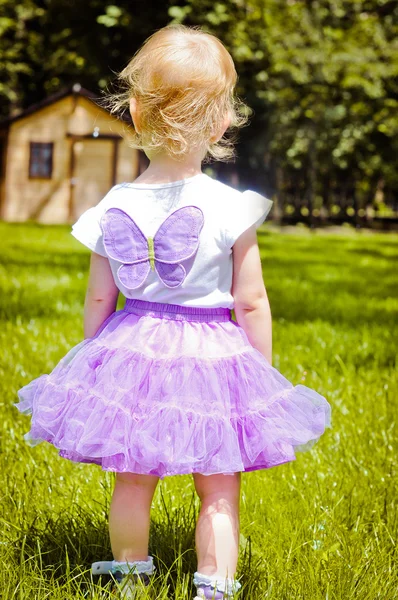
{"points": [[76, 90]]}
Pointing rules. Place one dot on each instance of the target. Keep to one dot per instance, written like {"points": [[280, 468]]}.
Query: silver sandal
{"points": [[129, 577]]}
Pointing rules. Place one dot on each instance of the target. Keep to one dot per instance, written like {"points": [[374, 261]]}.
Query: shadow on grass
{"points": [[69, 543], [374, 253]]}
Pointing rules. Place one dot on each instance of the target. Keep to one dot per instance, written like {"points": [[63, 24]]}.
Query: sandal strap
{"points": [[102, 567], [135, 566], [109, 567], [225, 585]]}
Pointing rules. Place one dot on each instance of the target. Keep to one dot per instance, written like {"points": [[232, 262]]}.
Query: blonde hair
{"points": [[183, 80]]}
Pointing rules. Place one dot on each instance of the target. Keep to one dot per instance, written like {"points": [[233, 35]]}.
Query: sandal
{"points": [[129, 577], [214, 587]]}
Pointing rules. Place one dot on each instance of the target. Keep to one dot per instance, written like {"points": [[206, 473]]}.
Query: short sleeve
{"points": [[249, 209], [87, 228], [88, 231]]}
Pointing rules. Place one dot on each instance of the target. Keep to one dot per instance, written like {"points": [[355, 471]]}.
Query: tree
{"points": [[320, 77]]}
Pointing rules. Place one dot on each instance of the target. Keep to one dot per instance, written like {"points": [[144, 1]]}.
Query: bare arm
{"points": [[252, 307], [101, 296]]}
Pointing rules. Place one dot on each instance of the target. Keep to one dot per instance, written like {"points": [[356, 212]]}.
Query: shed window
{"points": [[41, 160]]}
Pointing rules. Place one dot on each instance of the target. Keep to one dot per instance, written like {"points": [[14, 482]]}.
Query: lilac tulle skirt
{"points": [[167, 390]]}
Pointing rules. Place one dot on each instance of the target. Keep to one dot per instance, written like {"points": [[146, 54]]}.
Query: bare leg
{"points": [[217, 529], [129, 517]]}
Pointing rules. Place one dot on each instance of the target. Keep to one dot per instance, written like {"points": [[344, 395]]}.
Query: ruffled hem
{"points": [[170, 440], [108, 404]]}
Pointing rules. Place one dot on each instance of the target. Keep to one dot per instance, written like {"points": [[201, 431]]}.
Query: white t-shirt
{"points": [[225, 214]]}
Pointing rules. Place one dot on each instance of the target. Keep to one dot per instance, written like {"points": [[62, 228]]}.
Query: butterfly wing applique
{"points": [[177, 240], [125, 242]]}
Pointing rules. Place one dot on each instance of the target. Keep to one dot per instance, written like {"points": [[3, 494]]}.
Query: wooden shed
{"points": [[61, 156]]}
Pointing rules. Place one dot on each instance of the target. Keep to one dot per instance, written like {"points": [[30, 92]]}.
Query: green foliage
{"points": [[321, 77], [49, 44], [17, 37], [321, 527]]}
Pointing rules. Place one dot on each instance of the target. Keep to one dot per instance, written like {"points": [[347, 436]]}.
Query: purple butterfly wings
{"points": [[176, 240]]}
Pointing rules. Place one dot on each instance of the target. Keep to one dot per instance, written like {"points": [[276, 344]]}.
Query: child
{"points": [[171, 384]]}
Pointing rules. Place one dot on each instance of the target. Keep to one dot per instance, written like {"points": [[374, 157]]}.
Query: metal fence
{"points": [[332, 201]]}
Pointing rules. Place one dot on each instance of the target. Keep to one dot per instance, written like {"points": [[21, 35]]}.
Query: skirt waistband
{"points": [[176, 312]]}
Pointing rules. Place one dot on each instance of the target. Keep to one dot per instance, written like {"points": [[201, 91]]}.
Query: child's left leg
{"points": [[129, 516]]}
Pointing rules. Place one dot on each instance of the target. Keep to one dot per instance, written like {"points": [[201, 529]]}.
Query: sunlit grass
{"points": [[322, 527]]}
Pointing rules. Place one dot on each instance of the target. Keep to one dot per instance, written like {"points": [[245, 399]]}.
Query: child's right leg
{"points": [[217, 529]]}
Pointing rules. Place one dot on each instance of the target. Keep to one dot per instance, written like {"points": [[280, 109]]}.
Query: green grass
{"points": [[321, 527]]}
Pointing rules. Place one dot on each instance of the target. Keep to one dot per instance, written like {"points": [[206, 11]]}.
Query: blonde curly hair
{"points": [[183, 81]]}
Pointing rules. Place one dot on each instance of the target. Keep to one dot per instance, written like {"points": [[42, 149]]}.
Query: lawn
{"points": [[321, 527]]}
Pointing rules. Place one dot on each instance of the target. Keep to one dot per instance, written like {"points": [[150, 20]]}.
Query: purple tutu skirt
{"points": [[167, 390]]}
